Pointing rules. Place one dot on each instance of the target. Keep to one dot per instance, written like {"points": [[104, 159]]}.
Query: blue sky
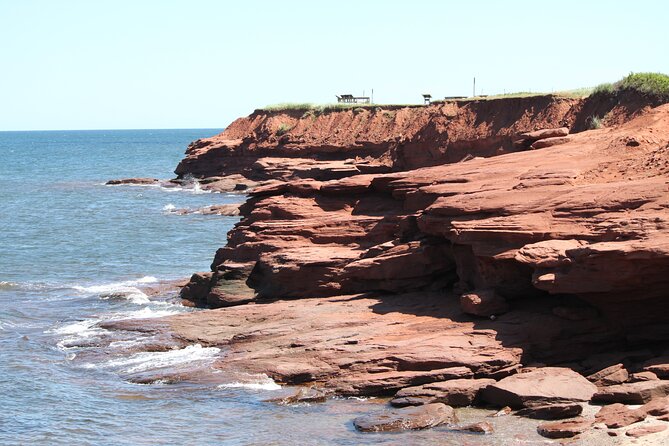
{"points": [[188, 64]]}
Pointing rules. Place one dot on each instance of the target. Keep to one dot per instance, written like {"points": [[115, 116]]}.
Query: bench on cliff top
{"points": [[350, 99]]}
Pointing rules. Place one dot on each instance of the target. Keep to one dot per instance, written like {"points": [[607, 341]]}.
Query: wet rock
{"points": [[552, 411], [197, 288], [642, 431], [484, 303], [545, 386], [564, 429], [303, 395], [615, 374], [506, 410], [482, 427], [136, 181], [456, 392], [229, 210], [632, 393], [618, 415], [421, 417]]}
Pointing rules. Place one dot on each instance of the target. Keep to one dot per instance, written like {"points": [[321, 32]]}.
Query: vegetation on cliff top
{"points": [[655, 85], [651, 84]]}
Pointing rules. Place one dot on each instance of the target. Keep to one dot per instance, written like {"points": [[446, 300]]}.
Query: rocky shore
{"points": [[491, 253]]}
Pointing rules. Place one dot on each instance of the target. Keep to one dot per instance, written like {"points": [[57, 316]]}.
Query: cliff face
{"points": [[448, 200], [335, 144]]}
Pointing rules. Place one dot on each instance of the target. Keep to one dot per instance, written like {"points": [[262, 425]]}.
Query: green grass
{"points": [[283, 129], [594, 122], [656, 84], [650, 84]]}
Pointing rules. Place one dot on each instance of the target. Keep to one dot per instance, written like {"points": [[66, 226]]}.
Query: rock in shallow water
{"points": [[564, 429], [421, 417], [482, 427], [552, 411]]}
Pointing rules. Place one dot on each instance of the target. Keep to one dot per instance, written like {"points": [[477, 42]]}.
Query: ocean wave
{"points": [[74, 333], [255, 382], [29, 286], [123, 290], [169, 208], [146, 361]]}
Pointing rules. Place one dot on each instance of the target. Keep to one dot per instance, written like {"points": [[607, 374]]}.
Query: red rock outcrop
{"points": [[429, 245]]}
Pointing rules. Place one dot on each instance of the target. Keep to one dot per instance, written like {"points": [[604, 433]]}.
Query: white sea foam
{"points": [[126, 290], [145, 361], [197, 189], [169, 207], [255, 382]]}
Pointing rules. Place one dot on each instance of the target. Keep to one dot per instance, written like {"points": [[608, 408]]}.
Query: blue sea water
{"points": [[74, 253]]}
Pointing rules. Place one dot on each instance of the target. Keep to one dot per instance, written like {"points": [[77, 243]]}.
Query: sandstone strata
{"points": [[410, 248]]}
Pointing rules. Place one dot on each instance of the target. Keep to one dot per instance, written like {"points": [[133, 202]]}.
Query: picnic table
{"points": [[350, 99]]}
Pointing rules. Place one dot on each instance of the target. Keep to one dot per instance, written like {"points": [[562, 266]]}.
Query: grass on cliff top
{"points": [[651, 84]]}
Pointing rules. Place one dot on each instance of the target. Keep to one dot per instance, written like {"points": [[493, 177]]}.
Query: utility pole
{"points": [[372, 95], [474, 90]]}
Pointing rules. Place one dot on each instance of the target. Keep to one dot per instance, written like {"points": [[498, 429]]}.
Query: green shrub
{"points": [[282, 129], [594, 122], [656, 84], [605, 88]]}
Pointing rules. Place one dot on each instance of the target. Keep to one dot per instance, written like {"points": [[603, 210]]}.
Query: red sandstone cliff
{"points": [[433, 244], [446, 254]]}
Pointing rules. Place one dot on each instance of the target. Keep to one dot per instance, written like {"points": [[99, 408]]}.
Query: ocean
{"points": [[75, 252]]}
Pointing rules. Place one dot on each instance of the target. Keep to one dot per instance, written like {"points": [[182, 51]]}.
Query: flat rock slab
{"points": [[564, 429], [540, 387], [618, 415], [615, 374], [138, 181], [642, 431], [659, 366], [632, 393], [456, 392], [552, 411], [421, 417]]}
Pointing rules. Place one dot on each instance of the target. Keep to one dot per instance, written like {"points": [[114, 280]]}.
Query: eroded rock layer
{"points": [[434, 243]]}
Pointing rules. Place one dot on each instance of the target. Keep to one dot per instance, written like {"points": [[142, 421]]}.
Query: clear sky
{"points": [[196, 63]]}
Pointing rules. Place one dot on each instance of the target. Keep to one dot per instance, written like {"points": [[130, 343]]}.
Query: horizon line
{"points": [[113, 129]]}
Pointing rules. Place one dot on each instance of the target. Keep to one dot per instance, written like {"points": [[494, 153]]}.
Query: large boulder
{"points": [[455, 392], [540, 387], [421, 417]]}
